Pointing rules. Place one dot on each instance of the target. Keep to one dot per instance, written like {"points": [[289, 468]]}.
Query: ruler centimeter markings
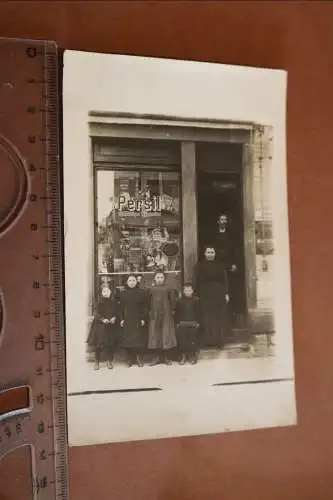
{"points": [[31, 126]]}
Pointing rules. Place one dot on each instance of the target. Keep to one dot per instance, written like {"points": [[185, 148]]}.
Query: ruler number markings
{"points": [[48, 345], [52, 225]]}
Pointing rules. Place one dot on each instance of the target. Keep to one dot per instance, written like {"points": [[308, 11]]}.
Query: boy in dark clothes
{"points": [[187, 321]]}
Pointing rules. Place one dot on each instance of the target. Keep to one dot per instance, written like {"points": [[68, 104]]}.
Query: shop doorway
{"points": [[221, 193]]}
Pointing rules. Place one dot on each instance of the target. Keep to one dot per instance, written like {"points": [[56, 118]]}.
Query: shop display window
{"points": [[138, 226]]}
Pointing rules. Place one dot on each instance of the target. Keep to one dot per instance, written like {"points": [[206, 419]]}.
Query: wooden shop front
{"points": [[159, 185]]}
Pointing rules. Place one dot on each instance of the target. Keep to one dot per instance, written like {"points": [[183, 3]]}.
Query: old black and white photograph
{"points": [[178, 296]]}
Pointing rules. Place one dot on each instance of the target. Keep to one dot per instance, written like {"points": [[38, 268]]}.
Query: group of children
{"points": [[143, 319]]}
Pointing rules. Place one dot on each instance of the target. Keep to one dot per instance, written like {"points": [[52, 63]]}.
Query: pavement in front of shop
{"points": [[261, 346], [236, 361]]}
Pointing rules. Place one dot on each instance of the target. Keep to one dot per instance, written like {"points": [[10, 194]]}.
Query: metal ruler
{"points": [[31, 275]]}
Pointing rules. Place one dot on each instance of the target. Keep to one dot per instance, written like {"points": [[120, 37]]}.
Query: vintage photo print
{"points": [[178, 301]]}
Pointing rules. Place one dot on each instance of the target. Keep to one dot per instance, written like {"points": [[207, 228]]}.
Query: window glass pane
{"points": [[138, 226]]}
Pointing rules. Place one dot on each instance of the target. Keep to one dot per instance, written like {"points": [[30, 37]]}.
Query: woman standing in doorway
{"points": [[212, 286]]}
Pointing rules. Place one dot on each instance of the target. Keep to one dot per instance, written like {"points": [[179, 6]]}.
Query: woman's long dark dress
{"points": [[212, 286], [133, 309], [103, 335]]}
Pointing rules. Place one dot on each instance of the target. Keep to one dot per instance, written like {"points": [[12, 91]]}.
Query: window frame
{"points": [[117, 167]]}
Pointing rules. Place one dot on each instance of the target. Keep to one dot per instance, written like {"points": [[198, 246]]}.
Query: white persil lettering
{"points": [[138, 205]]}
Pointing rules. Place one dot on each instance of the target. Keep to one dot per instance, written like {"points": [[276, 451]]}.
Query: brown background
{"points": [[293, 463]]}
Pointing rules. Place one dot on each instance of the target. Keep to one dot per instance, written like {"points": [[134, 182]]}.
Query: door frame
{"points": [[246, 208], [249, 229]]}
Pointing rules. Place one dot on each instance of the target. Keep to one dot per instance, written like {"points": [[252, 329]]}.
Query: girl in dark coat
{"points": [[212, 286], [103, 332], [187, 320], [162, 336], [133, 314], [142, 285]]}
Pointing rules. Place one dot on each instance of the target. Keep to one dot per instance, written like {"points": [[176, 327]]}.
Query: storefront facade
{"points": [[158, 185]]}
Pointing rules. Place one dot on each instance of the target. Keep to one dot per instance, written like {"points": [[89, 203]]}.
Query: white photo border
{"points": [[188, 398]]}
